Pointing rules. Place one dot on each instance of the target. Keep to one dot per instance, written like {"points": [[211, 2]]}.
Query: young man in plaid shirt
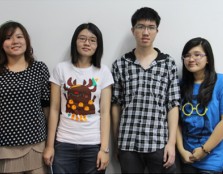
{"points": [[145, 101]]}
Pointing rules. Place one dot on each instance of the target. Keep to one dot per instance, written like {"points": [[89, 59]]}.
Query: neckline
{"points": [[83, 69], [16, 72]]}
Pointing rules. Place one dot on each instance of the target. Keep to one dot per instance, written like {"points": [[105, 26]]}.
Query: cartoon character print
{"points": [[196, 123], [79, 99]]}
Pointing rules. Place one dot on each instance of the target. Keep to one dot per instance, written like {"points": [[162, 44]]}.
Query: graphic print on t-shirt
{"points": [[80, 101], [197, 127]]}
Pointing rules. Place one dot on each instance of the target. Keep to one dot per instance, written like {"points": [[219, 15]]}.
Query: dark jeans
{"points": [[187, 168], [73, 158], [134, 162]]}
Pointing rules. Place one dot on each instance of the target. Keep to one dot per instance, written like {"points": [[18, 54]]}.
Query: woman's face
{"points": [[15, 44], [86, 43], [195, 60]]}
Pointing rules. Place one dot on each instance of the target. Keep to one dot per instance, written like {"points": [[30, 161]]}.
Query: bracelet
{"points": [[106, 150], [205, 150]]}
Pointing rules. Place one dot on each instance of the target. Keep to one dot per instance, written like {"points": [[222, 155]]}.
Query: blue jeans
{"points": [[134, 162], [74, 158]]}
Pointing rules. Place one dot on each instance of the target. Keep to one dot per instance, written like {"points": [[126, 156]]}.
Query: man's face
{"points": [[145, 32]]}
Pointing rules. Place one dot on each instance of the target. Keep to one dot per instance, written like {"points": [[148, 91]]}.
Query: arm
{"points": [[105, 106], [184, 153], [116, 112], [46, 111], [117, 100], [215, 138], [169, 152], [173, 98], [48, 154]]}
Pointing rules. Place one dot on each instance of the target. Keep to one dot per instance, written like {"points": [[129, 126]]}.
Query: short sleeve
{"points": [[56, 75], [107, 77], [173, 96], [117, 91]]}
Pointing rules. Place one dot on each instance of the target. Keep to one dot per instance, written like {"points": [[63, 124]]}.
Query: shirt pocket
{"points": [[159, 84], [130, 84]]}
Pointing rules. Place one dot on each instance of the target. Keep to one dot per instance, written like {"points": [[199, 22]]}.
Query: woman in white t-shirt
{"points": [[80, 102]]}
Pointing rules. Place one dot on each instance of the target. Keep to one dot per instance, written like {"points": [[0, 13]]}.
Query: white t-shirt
{"points": [[80, 98]]}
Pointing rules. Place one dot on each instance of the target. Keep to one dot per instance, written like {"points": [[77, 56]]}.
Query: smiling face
{"points": [[145, 32], [196, 60], [15, 44], [86, 43]]}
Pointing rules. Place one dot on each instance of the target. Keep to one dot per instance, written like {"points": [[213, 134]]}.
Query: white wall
{"points": [[51, 24]]}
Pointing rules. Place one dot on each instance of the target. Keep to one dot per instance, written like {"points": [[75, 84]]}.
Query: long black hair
{"points": [[207, 86], [96, 58]]}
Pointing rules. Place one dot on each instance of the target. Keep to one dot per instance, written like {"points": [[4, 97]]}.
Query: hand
{"points": [[186, 155], [102, 160], [197, 154], [169, 155], [48, 156]]}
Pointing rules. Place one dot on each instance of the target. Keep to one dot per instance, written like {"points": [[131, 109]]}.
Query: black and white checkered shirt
{"points": [[145, 96]]}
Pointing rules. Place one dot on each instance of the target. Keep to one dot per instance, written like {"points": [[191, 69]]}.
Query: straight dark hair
{"points": [[145, 13], [7, 29], [96, 58], [207, 86]]}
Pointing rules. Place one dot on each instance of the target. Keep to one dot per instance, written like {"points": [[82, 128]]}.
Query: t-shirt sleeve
{"points": [[117, 90], [173, 95], [56, 75], [107, 77]]}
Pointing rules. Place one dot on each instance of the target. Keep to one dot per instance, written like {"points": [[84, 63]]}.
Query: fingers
{"points": [[102, 165], [169, 162], [193, 158], [48, 156], [102, 160], [165, 156], [48, 161], [168, 159]]}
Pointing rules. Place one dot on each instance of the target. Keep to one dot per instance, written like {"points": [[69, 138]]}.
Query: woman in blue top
{"points": [[200, 132]]}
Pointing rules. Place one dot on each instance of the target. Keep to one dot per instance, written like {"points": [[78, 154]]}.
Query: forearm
{"points": [[185, 154], [215, 138], [46, 111], [179, 140], [105, 130], [173, 117], [116, 112], [52, 127], [105, 107], [54, 114]]}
